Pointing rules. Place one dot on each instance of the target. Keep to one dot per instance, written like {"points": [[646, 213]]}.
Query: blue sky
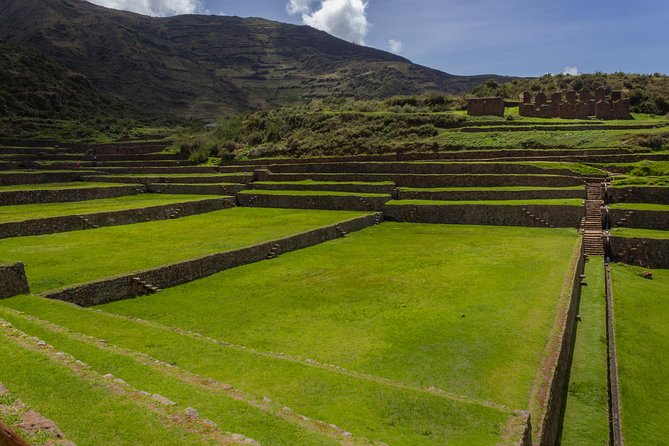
{"points": [[514, 37]]}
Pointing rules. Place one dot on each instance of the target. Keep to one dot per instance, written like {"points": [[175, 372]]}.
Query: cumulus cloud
{"points": [[157, 8], [346, 19], [571, 71], [395, 46]]}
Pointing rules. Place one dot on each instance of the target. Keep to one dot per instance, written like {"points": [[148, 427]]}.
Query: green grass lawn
{"points": [[43, 210], [640, 233], [60, 186], [317, 193], [586, 416], [367, 407], [87, 412], [641, 206], [642, 336], [56, 260], [443, 306], [552, 202]]}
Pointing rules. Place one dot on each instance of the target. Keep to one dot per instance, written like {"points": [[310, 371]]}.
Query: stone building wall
{"points": [[576, 105], [485, 107]]}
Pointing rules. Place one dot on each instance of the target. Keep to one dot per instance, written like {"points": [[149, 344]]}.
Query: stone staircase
{"points": [[150, 289], [592, 227]]}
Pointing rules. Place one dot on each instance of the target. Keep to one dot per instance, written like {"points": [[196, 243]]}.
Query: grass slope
{"points": [[452, 319], [383, 411], [640, 233], [586, 415], [56, 260], [642, 337]]}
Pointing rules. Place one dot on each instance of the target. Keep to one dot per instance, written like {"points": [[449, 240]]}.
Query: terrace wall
{"points": [[492, 215], [473, 195], [642, 219], [13, 280], [196, 189], [66, 195], [649, 253], [638, 194], [340, 187], [429, 180], [126, 287], [30, 177], [195, 179], [330, 202], [554, 394], [124, 217], [415, 167]]}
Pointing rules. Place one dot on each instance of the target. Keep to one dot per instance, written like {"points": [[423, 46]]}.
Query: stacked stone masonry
{"points": [[13, 280], [493, 215], [126, 287], [329, 202], [648, 253], [66, 195], [576, 105], [91, 221], [485, 107]]}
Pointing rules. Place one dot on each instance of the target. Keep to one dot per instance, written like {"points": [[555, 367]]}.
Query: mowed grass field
{"points": [[407, 334], [642, 336], [56, 260]]}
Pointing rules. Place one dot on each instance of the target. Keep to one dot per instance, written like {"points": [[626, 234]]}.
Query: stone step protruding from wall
{"points": [[341, 231], [147, 287], [274, 251]]}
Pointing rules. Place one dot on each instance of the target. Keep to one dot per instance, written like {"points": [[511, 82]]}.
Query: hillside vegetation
{"points": [[648, 93]]}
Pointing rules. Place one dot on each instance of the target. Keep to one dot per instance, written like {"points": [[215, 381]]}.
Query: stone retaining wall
{"points": [[203, 179], [554, 394], [473, 195], [164, 170], [555, 128], [427, 180], [13, 280], [32, 177], [125, 287], [649, 253], [330, 202], [638, 194], [415, 168], [66, 195], [124, 217], [360, 188], [641, 219], [492, 215], [196, 189]]}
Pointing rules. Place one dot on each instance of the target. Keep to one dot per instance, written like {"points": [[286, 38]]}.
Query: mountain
{"points": [[206, 66]]}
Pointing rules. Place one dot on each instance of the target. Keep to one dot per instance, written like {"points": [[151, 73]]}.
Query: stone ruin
{"points": [[485, 107], [576, 105]]}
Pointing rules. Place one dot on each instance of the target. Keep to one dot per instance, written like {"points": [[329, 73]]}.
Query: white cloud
{"points": [[346, 19], [395, 46], [571, 71], [158, 8]]}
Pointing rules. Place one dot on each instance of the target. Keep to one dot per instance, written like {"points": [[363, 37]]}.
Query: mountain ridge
{"points": [[206, 66]]}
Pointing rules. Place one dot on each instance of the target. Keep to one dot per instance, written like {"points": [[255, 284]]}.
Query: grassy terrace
{"points": [[550, 202], [59, 186], [87, 412], [400, 328], [640, 233], [56, 260], [179, 175], [642, 337], [641, 206], [501, 188], [625, 180], [317, 193], [586, 415], [43, 210]]}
